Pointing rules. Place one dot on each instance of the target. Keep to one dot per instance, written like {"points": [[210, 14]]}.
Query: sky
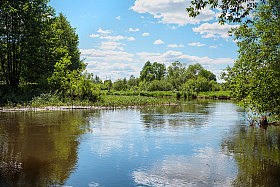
{"points": [[118, 37]]}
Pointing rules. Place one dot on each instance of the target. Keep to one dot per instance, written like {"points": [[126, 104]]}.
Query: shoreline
{"points": [[56, 108]]}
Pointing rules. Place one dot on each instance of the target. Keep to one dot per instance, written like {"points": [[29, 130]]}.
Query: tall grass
{"points": [[125, 101], [215, 94], [142, 93]]}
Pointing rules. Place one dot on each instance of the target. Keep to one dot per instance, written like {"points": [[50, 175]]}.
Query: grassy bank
{"points": [[124, 101], [46, 100], [176, 94], [217, 94], [115, 99]]}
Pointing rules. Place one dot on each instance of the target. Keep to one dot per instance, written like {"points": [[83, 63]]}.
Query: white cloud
{"points": [[131, 30], [145, 34], [159, 41], [106, 55], [213, 47], [170, 56], [110, 45], [171, 11], [104, 32], [198, 44], [114, 38], [214, 30], [94, 35], [175, 45], [113, 71], [130, 39], [119, 17], [142, 17]]}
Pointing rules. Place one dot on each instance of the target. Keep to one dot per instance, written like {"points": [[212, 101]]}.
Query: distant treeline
{"points": [[156, 77]]}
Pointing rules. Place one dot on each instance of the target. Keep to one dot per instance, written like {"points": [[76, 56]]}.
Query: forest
{"points": [[40, 55]]}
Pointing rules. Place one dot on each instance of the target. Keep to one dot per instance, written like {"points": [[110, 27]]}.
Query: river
{"points": [[198, 143]]}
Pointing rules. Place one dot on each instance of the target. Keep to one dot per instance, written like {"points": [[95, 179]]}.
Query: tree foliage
{"points": [[150, 72], [177, 77], [22, 24], [231, 10], [255, 76], [39, 50]]}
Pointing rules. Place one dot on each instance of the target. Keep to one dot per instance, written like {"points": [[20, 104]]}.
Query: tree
{"points": [[21, 26], [195, 69], [254, 78], [232, 10], [153, 71], [64, 39]]}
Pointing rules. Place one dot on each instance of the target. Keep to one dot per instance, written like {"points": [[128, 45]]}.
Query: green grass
{"points": [[215, 94], [45, 100], [114, 99], [142, 93], [125, 101]]}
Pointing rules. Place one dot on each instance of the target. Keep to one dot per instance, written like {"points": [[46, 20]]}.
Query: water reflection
{"points": [[39, 149], [257, 154], [204, 168], [194, 112], [200, 143]]}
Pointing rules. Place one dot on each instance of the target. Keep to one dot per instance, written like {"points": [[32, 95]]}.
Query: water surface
{"points": [[199, 143]]}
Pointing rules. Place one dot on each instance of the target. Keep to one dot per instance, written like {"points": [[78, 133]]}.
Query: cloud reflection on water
{"points": [[204, 168]]}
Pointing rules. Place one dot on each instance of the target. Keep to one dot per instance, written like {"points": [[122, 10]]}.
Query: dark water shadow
{"points": [[39, 148], [257, 155]]}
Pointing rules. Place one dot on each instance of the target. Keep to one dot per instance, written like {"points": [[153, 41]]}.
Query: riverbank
{"points": [[110, 100], [54, 108], [105, 102]]}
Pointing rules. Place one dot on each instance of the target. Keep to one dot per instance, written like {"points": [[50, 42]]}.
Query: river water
{"points": [[198, 143]]}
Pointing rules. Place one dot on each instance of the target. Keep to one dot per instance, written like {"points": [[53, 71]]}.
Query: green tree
{"points": [[159, 70], [254, 78], [21, 32], [195, 69], [153, 71], [207, 74], [120, 84], [64, 39], [176, 74], [231, 10]]}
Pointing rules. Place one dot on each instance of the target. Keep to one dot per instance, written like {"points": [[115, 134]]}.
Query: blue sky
{"points": [[118, 37]]}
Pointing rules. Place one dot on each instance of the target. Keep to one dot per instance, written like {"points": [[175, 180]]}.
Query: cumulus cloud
{"points": [[159, 41], [110, 45], [104, 32], [131, 30], [94, 35], [130, 39], [106, 55], [114, 38], [145, 34], [214, 30], [113, 70], [213, 47], [170, 56], [119, 17], [171, 11], [198, 44], [175, 45]]}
